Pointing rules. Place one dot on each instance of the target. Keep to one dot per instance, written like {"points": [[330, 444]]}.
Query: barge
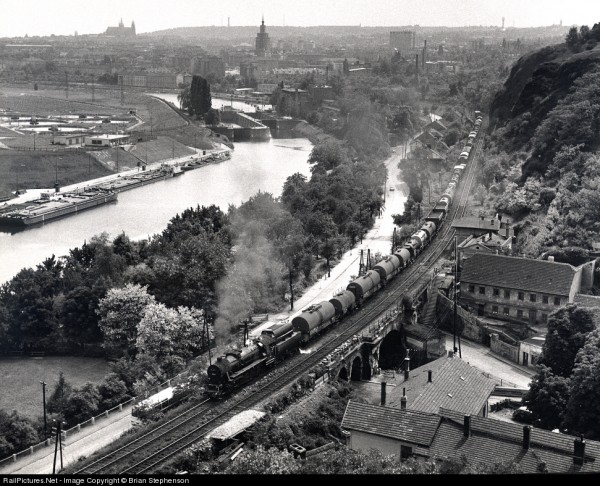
{"points": [[52, 206]]}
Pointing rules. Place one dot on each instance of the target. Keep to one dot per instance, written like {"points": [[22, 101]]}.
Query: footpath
{"points": [[75, 446]]}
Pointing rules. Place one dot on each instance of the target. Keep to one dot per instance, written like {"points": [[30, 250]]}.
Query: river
{"points": [[145, 211]]}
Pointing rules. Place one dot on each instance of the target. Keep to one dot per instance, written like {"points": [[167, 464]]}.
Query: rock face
{"points": [[537, 82]]}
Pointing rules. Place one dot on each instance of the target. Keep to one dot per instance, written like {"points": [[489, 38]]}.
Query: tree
{"points": [[212, 117], [200, 97], [82, 404], [567, 330], [16, 433], [583, 409], [185, 99], [120, 313], [163, 332], [60, 396], [572, 38], [547, 398], [112, 391]]}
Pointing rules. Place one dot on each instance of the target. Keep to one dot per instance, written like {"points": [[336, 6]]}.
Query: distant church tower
{"points": [[133, 27], [263, 43]]}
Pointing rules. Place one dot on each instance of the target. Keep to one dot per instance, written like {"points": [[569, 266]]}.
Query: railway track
{"points": [[150, 451]]}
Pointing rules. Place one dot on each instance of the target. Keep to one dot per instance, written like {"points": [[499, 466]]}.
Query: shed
{"points": [[236, 425]]}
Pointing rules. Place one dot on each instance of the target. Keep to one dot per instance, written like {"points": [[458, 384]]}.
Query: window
{"points": [[507, 294], [531, 297], [506, 311], [482, 290], [544, 317], [521, 295], [556, 300], [519, 313], [545, 299], [405, 452], [496, 292], [494, 309], [472, 289]]}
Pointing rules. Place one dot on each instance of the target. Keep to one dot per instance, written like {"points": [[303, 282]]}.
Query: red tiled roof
{"points": [[404, 425], [518, 273]]}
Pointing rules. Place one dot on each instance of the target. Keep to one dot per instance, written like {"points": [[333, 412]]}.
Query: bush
{"points": [[523, 416]]}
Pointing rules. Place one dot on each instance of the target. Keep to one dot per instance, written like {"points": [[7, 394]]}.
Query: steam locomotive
{"points": [[238, 366]]}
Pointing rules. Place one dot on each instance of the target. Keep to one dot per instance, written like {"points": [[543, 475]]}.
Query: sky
{"points": [[64, 17]]}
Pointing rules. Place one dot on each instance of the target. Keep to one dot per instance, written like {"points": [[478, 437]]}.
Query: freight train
{"points": [[239, 366]]}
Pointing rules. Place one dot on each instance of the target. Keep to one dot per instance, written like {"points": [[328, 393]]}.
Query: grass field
{"points": [[20, 379]]}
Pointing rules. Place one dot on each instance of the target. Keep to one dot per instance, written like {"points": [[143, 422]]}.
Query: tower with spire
{"points": [[121, 30], [263, 43]]}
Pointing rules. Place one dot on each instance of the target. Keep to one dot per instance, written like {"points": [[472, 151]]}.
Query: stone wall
{"points": [[504, 349]]}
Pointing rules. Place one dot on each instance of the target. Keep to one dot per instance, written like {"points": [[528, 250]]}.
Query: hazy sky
{"points": [[60, 17]]}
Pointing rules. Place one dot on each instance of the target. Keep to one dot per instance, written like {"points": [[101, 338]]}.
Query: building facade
{"points": [[121, 30], [519, 289], [263, 43], [403, 41]]}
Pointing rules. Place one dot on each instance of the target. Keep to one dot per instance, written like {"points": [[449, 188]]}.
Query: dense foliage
{"points": [[562, 392]]}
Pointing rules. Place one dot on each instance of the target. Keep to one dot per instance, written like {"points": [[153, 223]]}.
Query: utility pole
{"points": [[34, 139], [455, 284], [291, 288], [89, 164], [66, 84], [117, 160], [58, 445], [44, 402]]}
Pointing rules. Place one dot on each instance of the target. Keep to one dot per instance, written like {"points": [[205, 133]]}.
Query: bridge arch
{"points": [[357, 366], [392, 351], [343, 374], [367, 371]]}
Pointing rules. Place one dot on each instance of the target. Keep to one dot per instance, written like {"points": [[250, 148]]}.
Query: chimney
{"points": [[383, 390], [429, 376], [579, 451], [551, 258], [526, 437], [467, 426], [403, 399]]}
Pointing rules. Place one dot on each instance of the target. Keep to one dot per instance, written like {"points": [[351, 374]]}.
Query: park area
{"points": [[20, 379]]}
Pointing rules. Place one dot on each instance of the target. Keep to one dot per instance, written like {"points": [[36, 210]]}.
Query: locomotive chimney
{"points": [[383, 391]]}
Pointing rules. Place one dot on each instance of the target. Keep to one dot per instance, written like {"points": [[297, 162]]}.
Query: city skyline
{"points": [[64, 17]]}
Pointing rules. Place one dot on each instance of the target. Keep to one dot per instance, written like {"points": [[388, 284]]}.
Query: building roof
{"points": [[455, 384], [405, 425], [490, 242], [519, 273], [238, 423], [473, 222], [490, 441], [587, 300], [493, 441], [537, 340]]}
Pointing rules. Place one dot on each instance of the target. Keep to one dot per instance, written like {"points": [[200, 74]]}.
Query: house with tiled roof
{"points": [[520, 289], [447, 382], [482, 440], [489, 242], [473, 226]]}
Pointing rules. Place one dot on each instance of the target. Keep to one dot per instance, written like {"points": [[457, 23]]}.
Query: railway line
{"points": [[154, 449]]}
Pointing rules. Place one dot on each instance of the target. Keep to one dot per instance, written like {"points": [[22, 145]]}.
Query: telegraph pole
{"points": [[455, 284], [291, 288], [44, 401]]}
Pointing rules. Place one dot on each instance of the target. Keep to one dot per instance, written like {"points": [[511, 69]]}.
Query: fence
{"points": [[180, 378]]}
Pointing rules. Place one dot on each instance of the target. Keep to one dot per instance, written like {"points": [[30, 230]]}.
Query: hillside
{"points": [[526, 111], [541, 165]]}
